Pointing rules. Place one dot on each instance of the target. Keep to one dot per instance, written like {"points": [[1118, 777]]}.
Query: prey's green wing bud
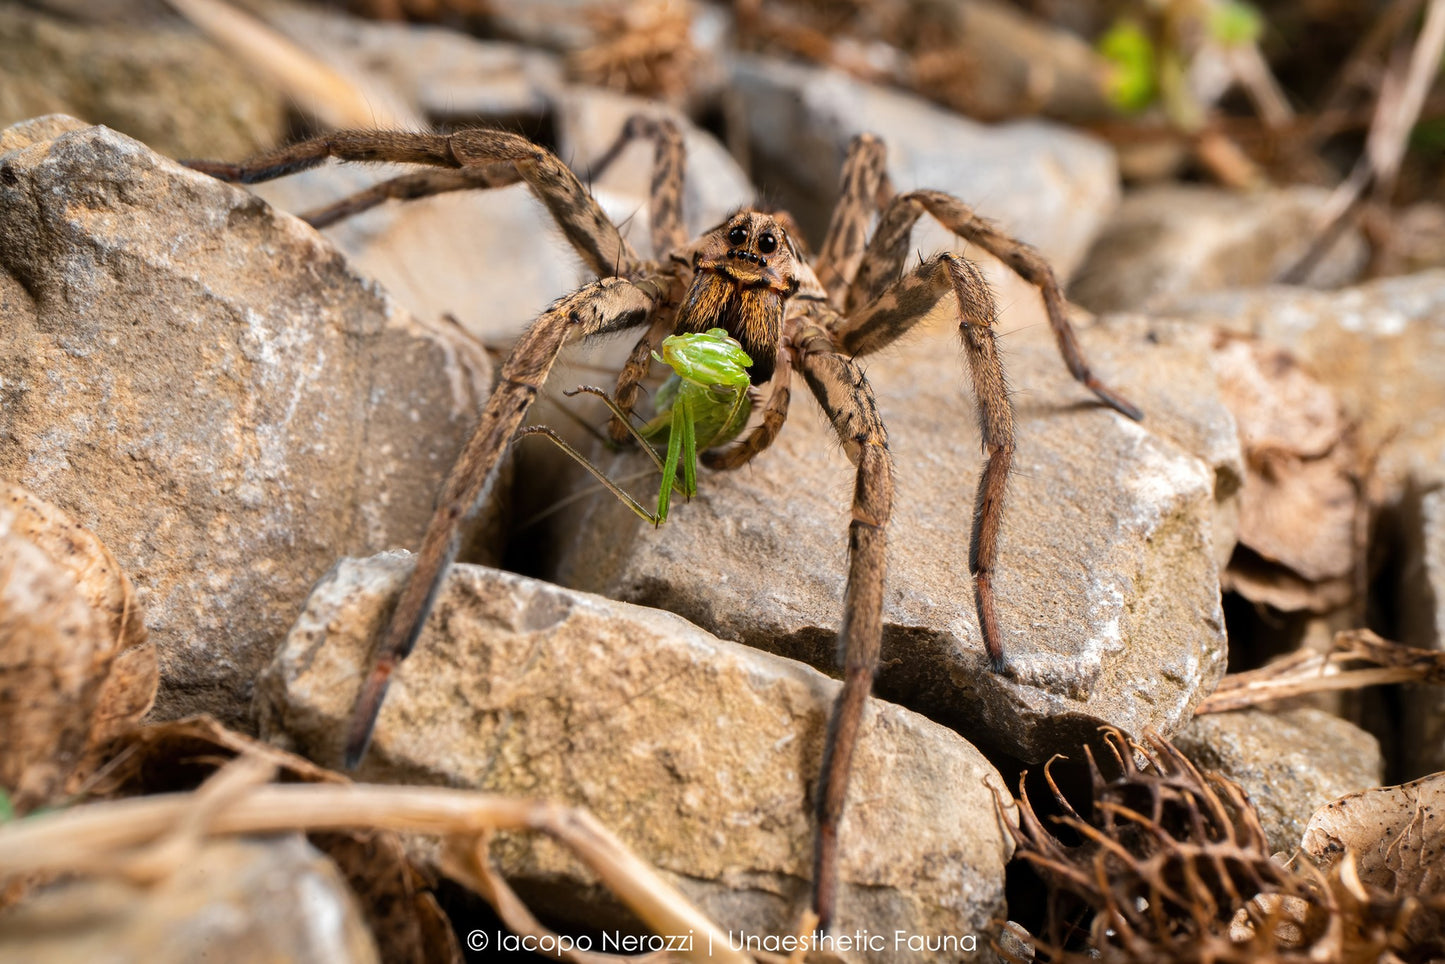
{"points": [[707, 358]]}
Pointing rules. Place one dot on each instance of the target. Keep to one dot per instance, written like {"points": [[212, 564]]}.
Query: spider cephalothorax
{"points": [[745, 276]]}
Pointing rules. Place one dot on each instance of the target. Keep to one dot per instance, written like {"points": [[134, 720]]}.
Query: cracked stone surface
{"points": [[205, 384], [699, 753]]}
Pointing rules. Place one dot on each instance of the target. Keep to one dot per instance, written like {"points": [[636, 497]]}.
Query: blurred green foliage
{"points": [[1148, 57], [1130, 52]]}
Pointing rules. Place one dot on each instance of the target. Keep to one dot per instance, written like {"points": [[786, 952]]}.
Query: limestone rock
{"points": [[233, 901], [205, 384], [1290, 763], [1170, 241], [1045, 184], [1421, 608], [167, 87], [701, 754], [1108, 569]]}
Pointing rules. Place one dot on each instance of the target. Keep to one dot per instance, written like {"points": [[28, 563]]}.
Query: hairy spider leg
{"points": [[843, 392], [667, 228], [595, 238], [888, 252], [612, 304], [865, 190], [668, 235]]}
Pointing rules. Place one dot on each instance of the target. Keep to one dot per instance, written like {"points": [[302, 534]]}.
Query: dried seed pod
{"points": [[76, 669]]}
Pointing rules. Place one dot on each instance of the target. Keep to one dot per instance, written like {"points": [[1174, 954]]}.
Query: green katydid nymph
{"points": [[703, 403]]}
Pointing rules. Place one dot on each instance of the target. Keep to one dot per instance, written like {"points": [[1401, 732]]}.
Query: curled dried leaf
{"points": [[1397, 836], [1299, 503]]}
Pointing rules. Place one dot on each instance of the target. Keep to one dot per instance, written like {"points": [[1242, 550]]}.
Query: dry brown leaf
{"points": [[76, 667], [1299, 504], [1397, 835], [1261, 581]]}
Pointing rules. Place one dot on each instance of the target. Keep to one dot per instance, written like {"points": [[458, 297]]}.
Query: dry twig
{"points": [[1309, 672], [120, 837], [1402, 95]]}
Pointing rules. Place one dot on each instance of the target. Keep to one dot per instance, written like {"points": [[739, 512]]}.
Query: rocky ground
{"points": [[244, 422]]}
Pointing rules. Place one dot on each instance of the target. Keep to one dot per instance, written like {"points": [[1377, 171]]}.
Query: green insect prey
{"points": [[702, 404]]}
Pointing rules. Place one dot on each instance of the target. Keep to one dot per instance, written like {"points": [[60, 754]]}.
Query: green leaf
{"points": [[1233, 23], [1127, 47]]}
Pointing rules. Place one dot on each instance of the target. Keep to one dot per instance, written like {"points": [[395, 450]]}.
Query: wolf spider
{"points": [[747, 275]]}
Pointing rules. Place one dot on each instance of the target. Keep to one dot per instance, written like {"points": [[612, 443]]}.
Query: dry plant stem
{"points": [[1307, 672], [1402, 95], [91, 838], [1252, 72], [179, 843], [1357, 67], [320, 90]]}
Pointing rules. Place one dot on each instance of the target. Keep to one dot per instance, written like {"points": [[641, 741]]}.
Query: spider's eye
{"points": [[767, 243], [738, 236]]}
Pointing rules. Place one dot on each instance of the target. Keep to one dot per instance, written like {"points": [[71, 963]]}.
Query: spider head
{"points": [[751, 248], [745, 270]]}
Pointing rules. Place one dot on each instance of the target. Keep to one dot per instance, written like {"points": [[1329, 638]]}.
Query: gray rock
{"points": [[700, 754], [234, 901], [1108, 571], [167, 87], [1290, 763], [444, 73], [1421, 608], [1043, 183], [1170, 241], [1380, 346], [205, 384]]}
